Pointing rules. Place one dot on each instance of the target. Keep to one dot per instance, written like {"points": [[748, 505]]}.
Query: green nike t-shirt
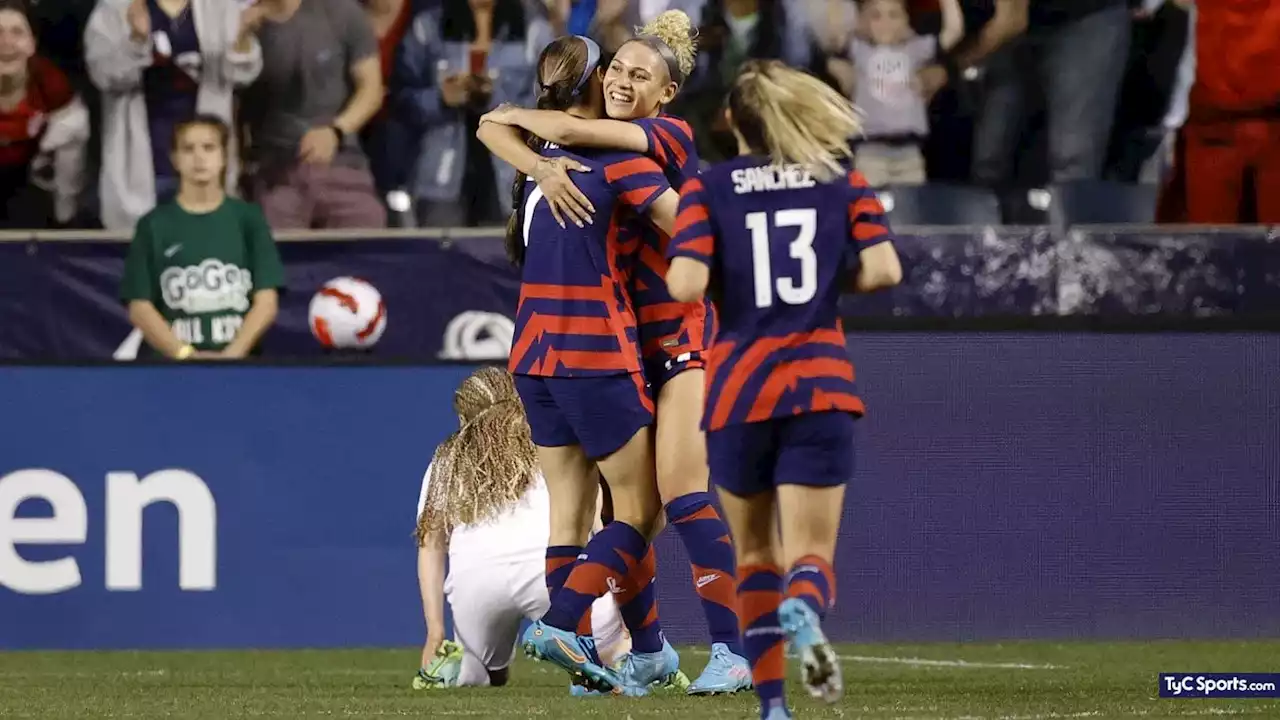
{"points": [[201, 270]]}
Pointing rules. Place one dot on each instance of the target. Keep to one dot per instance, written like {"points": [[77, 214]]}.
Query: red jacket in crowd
{"points": [[1238, 59]]}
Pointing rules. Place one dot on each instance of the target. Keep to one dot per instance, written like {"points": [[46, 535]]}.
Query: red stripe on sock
{"points": [[770, 666], [828, 573], [705, 513], [723, 590], [584, 625], [554, 564], [755, 604], [803, 588], [589, 578], [652, 617], [639, 576]]}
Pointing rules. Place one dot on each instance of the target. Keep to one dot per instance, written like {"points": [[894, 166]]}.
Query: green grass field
{"points": [[1013, 681]]}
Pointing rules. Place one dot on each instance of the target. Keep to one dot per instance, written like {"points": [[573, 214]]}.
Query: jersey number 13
{"points": [[788, 289]]}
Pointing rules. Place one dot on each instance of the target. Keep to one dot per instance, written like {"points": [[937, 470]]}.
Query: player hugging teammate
{"points": [[642, 78], [603, 326]]}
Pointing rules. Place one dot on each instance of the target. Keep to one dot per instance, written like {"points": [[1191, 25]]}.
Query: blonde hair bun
{"points": [[675, 28]]}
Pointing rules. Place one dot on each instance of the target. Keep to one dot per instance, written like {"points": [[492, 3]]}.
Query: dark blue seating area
{"points": [[941, 205], [1059, 206]]}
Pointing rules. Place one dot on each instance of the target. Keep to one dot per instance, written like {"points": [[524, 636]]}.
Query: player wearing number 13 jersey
{"points": [[779, 232]]}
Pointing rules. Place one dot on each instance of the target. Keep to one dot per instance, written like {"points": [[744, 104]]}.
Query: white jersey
{"points": [[518, 535]]}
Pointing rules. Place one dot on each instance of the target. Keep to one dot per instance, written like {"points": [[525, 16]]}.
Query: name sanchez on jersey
{"points": [[771, 177]]}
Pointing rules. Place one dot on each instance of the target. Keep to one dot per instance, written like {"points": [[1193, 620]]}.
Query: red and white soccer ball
{"points": [[347, 313]]}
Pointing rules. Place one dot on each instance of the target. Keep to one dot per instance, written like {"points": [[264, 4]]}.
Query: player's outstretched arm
{"points": [[567, 130], [431, 563], [506, 143], [564, 198]]}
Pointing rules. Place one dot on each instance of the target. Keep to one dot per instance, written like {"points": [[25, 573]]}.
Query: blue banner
{"points": [[454, 299], [444, 300], [1009, 486]]}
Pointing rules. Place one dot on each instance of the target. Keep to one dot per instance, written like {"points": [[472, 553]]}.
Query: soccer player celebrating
{"points": [[577, 366], [644, 76], [484, 503], [776, 232]]}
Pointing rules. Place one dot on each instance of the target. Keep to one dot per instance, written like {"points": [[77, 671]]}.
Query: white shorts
{"points": [[488, 605]]}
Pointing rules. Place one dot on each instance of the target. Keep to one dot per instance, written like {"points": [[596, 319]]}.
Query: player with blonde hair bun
{"points": [[484, 504], [644, 76], [779, 232]]}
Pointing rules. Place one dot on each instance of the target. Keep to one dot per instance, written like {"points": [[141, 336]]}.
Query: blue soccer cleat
{"points": [[820, 667], [662, 668], [574, 653], [725, 673]]}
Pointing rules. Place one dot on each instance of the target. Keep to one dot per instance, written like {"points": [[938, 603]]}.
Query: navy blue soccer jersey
{"points": [[781, 246], [575, 317], [667, 328]]}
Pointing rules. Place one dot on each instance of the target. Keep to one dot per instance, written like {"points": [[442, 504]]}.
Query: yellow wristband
{"points": [[186, 352]]}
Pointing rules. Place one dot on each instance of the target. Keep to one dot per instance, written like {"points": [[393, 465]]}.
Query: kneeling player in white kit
{"points": [[484, 503]]}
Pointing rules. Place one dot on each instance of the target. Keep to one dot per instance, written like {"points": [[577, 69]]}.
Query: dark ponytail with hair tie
{"points": [[564, 69]]}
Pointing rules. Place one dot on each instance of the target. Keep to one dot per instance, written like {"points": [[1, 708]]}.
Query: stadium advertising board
{"points": [[1009, 485], [454, 300]]}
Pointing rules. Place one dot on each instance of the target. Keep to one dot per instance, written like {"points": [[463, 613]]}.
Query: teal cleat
{"points": [[576, 654], [661, 668], [444, 669], [820, 667], [725, 673]]}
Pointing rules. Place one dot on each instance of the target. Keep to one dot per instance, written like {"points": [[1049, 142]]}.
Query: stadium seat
{"points": [[940, 205], [1100, 202]]}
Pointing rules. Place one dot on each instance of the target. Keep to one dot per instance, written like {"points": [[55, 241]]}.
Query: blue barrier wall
{"points": [[454, 300], [1010, 485]]}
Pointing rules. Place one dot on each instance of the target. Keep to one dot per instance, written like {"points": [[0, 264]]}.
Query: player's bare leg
{"points": [[810, 523], [683, 482], [573, 486]]}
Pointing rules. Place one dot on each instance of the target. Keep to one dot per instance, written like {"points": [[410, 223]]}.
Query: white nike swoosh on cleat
{"points": [[706, 580]]}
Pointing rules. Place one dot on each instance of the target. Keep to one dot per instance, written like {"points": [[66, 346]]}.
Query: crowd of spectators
{"points": [[343, 108]]}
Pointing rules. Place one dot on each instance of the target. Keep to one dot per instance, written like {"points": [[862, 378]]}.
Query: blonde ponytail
{"points": [[794, 117]]}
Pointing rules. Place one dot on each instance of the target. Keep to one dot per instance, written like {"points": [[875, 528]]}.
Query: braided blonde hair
{"points": [[793, 117], [487, 464]]}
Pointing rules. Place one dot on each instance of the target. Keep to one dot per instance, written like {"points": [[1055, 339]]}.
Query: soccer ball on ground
{"points": [[347, 312]]}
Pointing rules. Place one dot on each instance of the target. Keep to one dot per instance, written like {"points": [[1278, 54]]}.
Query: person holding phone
{"points": [[459, 59], [159, 63]]}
